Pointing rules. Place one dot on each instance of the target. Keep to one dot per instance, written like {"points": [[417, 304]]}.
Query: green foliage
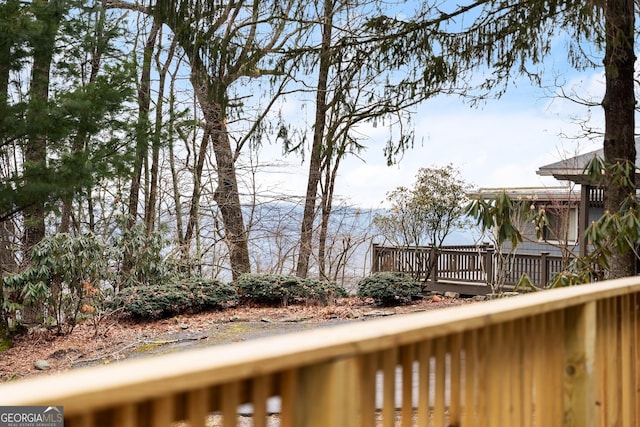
{"points": [[159, 301], [68, 278], [613, 234], [426, 213], [389, 288], [322, 291], [82, 111], [525, 284], [496, 215], [280, 289], [615, 230], [63, 277], [587, 269], [619, 230], [139, 258], [501, 216], [210, 294], [480, 47], [5, 343]]}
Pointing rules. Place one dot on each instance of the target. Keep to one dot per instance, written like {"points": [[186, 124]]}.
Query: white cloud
{"points": [[500, 145]]}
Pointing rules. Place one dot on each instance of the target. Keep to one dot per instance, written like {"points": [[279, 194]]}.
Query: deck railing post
{"points": [[579, 395], [433, 262], [488, 263], [375, 258], [544, 269], [327, 395]]}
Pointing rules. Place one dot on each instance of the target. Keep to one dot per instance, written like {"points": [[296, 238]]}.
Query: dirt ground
{"points": [[120, 339]]}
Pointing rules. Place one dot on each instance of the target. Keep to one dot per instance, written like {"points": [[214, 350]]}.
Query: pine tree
{"points": [[51, 144]]}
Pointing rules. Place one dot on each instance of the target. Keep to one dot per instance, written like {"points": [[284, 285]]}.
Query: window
{"points": [[562, 223]]}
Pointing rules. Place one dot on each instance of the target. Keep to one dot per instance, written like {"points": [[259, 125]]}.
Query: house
{"points": [[591, 206], [569, 208], [478, 269], [561, 205]]}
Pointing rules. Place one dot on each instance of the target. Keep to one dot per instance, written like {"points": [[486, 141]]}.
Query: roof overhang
{"points": [[573, 169]]}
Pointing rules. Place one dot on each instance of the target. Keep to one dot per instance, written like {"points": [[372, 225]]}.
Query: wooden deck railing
{"points": [[566, 356], [464, 264]]}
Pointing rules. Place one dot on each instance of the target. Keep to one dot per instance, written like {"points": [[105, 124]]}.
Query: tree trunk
{"points": [[228, 199], [8, 10], [150, 211], [35, 152], [142, 133], [315, 162], [82, 138], [619, 111], [226, 195], [176, 192], [330, 174], [194, 209]]}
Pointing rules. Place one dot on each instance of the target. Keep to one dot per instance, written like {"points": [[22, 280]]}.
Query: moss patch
{"points": [[5, 344], [148, 347]]}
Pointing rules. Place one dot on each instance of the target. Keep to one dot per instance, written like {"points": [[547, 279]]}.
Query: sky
{"points": [[499, 144]]}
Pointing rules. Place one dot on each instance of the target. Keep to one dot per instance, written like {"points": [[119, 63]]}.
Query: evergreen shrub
{"points": [[389, 288], [322, 291], [160, 301], [62, 283], [278, 289]]}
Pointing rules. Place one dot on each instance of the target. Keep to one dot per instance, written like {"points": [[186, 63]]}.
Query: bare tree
{"points": [[351, 91], [224, 44]]}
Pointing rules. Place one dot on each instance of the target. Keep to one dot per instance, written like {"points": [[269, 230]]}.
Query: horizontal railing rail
{"points": [[565, 356]]}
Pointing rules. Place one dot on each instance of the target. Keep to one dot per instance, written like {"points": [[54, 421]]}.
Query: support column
{"points": [[579, 391], [583, 217], [327, 395]]}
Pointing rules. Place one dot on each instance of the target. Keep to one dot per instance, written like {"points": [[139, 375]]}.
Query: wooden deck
{"points": [[468, 270]]}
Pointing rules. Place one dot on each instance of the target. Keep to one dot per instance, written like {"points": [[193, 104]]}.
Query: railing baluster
{"points": [[389, 365], [288, 393], [424, 382], [440, 384], [496, 392], [513, 361], [83, 420], [544, 381], [455, 354], [124, 416], [470, 348], [579, 385], [556, 327], [600, 363], [627, 372], [612, 398], [483, 377], [260, 391], [367, 369], [526, 344], [407, 357], [162, 412], [197, 408], [635, 352]]}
